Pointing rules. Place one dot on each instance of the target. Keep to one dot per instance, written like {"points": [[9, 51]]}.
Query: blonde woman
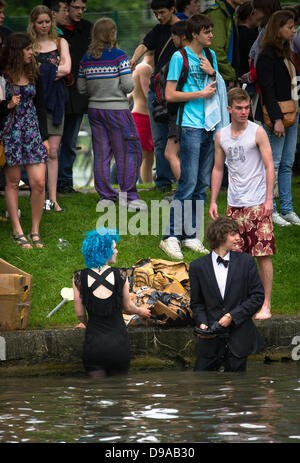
{"points": [[105, 76], [53, 57]]}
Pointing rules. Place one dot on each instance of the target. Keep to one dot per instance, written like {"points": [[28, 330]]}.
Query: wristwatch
{"points": [[228, 316], [213, 75]]}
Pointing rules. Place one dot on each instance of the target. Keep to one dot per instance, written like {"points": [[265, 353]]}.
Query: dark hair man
{"points": [[77, 32], [60, 12], [160, 43], [196, 138], [186, 8], [226, 292]]}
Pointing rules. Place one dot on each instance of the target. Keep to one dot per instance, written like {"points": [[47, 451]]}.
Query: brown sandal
{"points": [[38, 243], [21, 240]]}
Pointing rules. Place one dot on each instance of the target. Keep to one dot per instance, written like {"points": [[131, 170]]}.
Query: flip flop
{"points": [[36, 242], [21, 240]]}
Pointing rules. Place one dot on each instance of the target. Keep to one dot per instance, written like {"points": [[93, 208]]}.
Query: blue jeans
{"points": [[196, 163], [67, 150], [164, 175], [283, 150]]}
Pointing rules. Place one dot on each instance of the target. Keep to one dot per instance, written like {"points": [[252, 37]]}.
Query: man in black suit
{"points": [[226, 291]]}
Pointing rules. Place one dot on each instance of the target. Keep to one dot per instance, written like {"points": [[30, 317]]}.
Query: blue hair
{"points": [[97, 247]]}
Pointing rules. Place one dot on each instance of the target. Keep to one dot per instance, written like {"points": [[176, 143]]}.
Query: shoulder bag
{"points": [[288, 109]]}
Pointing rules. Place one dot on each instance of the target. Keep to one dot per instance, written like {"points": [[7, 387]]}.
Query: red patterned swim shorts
{"points": [[256, 231]]}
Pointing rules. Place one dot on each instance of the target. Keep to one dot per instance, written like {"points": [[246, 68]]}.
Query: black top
{"points": [[106, 345], [274, 81], [78, 39], [247, 37], [155, 40]]}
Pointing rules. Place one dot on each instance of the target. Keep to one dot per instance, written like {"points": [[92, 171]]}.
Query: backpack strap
{"points": [[181, 81], [59, 45], [209, 55], [163, 49]]}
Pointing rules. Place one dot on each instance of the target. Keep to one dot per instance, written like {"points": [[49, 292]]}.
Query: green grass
{"points": [[52, 269]]}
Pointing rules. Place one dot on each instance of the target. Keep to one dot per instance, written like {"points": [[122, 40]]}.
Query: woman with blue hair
{"points": [[101, 293]]}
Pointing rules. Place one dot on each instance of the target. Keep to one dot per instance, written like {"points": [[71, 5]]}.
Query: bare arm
{"points": [[216, 177], [79, 307], [263, 144], [139, 52], [175, 96], [64, 67], [129, 307]]}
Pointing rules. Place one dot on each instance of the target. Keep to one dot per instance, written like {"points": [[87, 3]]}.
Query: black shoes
{"points": [[65, 189], [215, 330]]}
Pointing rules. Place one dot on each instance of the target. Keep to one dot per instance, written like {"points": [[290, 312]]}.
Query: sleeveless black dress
{"points": [[106, 345]]}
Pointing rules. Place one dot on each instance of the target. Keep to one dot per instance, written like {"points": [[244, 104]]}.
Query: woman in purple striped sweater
{"points": [[105, 76]]}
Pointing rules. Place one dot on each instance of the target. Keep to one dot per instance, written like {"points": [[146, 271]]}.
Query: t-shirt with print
{"points": [[193, 114]]}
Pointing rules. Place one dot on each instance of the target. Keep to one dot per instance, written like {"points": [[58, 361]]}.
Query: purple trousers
{"points": [[114, 134]]}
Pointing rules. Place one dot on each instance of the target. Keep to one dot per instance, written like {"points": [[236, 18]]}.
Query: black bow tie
{"points": [[222, 261]]}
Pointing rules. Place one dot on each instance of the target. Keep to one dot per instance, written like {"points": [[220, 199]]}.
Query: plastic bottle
{"points": [[62, 244]]}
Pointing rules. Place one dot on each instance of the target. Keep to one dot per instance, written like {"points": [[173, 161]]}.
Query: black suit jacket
{"points": [[275, 83], [244, 296]]}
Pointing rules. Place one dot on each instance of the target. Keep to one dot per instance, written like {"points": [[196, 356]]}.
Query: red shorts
{"points": [[256, 231], [142, 122]]}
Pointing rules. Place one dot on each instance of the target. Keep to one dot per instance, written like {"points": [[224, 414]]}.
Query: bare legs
{"points": [[266, 274], [172, 155], [52, 169], [36, 177], [146, 167]]}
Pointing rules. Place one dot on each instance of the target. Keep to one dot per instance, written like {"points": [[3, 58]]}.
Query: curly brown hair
{"points": [[218, 230], [12, 58]]}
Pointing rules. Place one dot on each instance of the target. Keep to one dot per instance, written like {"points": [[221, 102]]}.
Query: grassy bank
{"points": [[52, 269]]}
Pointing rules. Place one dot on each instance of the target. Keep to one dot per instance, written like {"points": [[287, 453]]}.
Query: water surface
{"points": [[166, 406]]}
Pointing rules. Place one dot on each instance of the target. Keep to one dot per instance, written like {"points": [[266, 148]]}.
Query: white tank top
{"points": [[246, 170]]}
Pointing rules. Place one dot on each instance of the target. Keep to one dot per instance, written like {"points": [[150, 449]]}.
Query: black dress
{"points": [[106, 345]]}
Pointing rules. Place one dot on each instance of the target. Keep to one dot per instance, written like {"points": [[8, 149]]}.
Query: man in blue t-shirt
{"points": [[196, 143], [159, 43]]}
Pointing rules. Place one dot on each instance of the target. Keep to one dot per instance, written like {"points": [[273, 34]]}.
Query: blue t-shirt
{"points": [[193, 114]]}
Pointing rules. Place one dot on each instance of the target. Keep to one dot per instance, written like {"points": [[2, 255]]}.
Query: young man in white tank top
{"points": [[246, 148]]}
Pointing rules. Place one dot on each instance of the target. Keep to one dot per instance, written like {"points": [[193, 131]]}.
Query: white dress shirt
{"points": [[220, 271]]}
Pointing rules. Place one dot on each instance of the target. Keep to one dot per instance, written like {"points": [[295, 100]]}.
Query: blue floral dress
{"points": [[23, 143]]}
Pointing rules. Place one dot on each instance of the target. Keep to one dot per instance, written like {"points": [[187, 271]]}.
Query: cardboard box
{"points": [[15, 292]]}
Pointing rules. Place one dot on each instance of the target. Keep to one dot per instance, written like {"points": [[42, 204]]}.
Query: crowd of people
{"points": [[231, 92]]}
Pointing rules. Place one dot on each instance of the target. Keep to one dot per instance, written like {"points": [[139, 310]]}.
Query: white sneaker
{"points": [[19, 213], [195, 245], [134, 205], [137, 205], [171, 247], [106, 202], [279, 220], [291, 218]]}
